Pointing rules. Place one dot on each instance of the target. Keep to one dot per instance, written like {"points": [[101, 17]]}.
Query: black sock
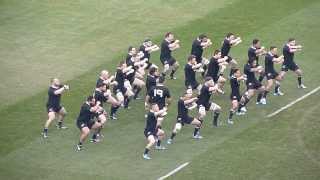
{"points": [[172, 73], [60, 123], [195, 132], [137, 92], [231, 114], [159, 143], [173, 135], [265, 94], [126, 102], [146, 151], [259, 97], [276, 88], [94, 136], [215, 118], [80, 143], [261, 77], [45, 130], [113, 110], [299, 80]]}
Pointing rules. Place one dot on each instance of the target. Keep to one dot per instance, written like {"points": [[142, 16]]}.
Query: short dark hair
{"points": [[272, 47], [291, 39], [202, 36], [161, 79], [208, 78], [147, 40], [255, 41], [215, 52], [168, 34], [190, 57], [100, 84], [229, 34], [89, 98], [152, 70], [234, 70]]}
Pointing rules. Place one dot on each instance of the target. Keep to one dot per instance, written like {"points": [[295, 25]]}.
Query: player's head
{"points": [[203, 38], [256, 43], [91, 100], [236, 72], [191, 59], [122, 64], [161, 79], [55, 82], [188, 93], [273, 50], [253, 63], [230, 36], [132, 50], [154, 107], [152, 71], [217, 53], [169, 36], [147, 42], [291, 41], [104, 74], [102, 86], [209, 81]]}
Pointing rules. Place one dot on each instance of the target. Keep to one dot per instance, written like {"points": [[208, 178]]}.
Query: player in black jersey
{"points": [[271, 58], [204, 103], [185, 103], [85, 120], [254, 52], [253, 85], [159, 95], [235, 96], [136, 78], [216, 67], [54, 107], [199, 44], [147, 48], [123, 89], [168, 45], [152, 77], [289, 64], [105, 78], [230, 41], [151, 132], [190, 74]]}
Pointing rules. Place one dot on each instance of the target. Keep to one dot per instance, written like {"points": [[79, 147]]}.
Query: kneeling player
{"points": [[151, 131], [85, 122], [185, 103]]}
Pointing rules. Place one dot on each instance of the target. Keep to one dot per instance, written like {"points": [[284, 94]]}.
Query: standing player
{"points": [[168, 45], [271, 73], [216, 67], [230, 41], [235, 96], [204, 103], [53, 105], [85, 120], [151, 80], [159, 95], [288, 64], [202, 42], [190, 74], [185, 103], [254, 52], [151, 132], [147, 48]]}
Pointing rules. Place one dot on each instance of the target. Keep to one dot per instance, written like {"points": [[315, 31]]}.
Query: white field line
{"points": [[293, 102], [174, 171]]}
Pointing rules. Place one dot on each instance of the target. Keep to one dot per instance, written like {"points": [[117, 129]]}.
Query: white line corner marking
{"points": [[293, 102], [174, 171]]}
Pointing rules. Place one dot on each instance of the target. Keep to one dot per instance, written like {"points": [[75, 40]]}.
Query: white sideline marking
{"points": [[174, 171], [293, 102]]}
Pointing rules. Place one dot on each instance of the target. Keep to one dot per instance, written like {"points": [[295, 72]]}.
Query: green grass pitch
{"points": [[74, 40]]}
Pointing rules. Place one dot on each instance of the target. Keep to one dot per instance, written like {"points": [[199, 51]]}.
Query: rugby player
{"points": [[216, 67], [190, 74], [168, 45], [254, 52], [198, 45]]}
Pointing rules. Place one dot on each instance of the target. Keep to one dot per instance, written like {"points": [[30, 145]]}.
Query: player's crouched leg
{"points": [[216, 112]]}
